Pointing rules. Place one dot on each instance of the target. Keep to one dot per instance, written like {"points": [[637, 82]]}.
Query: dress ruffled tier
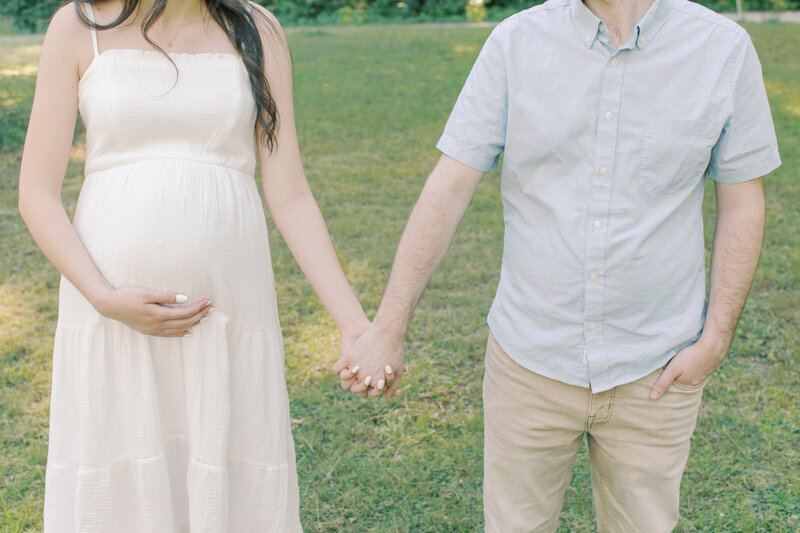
{"points": [[149, 433]]}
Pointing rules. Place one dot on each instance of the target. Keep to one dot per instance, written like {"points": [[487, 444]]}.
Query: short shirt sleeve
{"points": [[747, 148], [475, 133]]}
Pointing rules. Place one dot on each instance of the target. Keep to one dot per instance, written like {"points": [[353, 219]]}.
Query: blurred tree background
{"points": [[32, 15]]}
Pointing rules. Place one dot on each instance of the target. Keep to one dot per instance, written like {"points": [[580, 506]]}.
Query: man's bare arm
{"points": [[425, 241], [737, 245]]}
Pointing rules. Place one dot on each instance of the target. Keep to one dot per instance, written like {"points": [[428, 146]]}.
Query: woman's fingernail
{"points": [[355, 370], [381, 383], [188, 335], [203, 319], [388, 369], [181, 298], [210, 311], [368, 381], [209, 302]]}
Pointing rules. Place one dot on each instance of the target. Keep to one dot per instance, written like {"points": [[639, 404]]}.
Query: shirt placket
{"points": [[595, 356]]}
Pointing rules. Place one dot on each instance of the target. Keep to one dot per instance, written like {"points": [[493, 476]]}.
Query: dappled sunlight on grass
{"points": [[311, 338], [793, 109], [466, 49], [78, 152], [8, 101], [786, 96], [20, 71], [21, 60], [311, 347], [26, 328], [11, 310]]}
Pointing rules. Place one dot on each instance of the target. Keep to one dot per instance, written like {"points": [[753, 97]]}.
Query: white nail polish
{"points": [[181, 298], [209, 302], [368, 381], [354, 370], [381, 383], [210, 311], [388, 369], [188, 335], [203, 319]]}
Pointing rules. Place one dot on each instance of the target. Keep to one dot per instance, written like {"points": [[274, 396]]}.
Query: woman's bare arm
{"points": [[292, 204], [44, 162]]}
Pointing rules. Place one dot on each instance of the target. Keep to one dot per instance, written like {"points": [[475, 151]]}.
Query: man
{"points": [[610, 114]]}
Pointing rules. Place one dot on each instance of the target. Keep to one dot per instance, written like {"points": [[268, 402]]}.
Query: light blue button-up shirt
{"points": [[605, 156]]}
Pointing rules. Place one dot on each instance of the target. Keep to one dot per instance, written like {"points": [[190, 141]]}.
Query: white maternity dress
{"points": [[171, 435]]}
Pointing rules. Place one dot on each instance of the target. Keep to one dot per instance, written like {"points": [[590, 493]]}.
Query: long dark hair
{"points": [[235, 17]]}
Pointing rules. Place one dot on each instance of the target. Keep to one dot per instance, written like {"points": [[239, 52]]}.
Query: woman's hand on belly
{"points": [[148, 311]]}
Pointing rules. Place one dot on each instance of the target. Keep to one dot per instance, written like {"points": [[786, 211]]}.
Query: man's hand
{"points": [[691, 366], [374, 364]]}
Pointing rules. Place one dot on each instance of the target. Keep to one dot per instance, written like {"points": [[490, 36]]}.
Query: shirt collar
{"points": [[651, 22], [588, 25]]}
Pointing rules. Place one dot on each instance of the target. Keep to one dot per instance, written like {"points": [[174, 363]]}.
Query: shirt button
{"points": [[588, 38], [614, 62], [594, 277], [592, 326], [602, 27], [642, 40], [603, 171], [597, 224], [608, 116]]}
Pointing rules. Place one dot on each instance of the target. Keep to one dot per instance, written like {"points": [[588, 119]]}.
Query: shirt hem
{"points": [[660, 362]]}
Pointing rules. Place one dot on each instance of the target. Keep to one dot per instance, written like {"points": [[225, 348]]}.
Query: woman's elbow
{"points": [[30, 200]]}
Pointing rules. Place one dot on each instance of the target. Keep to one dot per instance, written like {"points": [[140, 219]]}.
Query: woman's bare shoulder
{"points": [[66, 21], [263, 10], [67, 38], [268, 24]]}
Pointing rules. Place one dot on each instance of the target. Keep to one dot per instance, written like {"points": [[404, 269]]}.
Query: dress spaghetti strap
{"points": [[90, 13]]}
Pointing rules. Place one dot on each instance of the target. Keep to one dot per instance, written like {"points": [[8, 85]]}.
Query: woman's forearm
{"points": [[46, 154], [52, 230], [300, 221]]}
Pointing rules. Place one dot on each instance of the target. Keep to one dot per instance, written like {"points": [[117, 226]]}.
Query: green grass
{"points": [[371, 103]]}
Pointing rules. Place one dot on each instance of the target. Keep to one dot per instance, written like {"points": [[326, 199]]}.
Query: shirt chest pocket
{"points": [[675, 153]]}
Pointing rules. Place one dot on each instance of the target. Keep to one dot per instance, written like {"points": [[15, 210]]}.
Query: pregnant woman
{"points": [[169, 409]]}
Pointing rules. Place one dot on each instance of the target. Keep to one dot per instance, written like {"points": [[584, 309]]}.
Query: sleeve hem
{"points": [[452, 149], [750, 172]]}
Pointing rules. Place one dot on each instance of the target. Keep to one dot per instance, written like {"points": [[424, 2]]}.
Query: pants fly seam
{"points": [[607, 417]]}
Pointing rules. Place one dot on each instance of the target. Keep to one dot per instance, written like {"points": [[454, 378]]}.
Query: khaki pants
{"points": [[534, 427]]}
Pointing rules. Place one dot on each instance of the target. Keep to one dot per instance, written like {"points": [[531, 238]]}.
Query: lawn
{"points": [[371, 103]]}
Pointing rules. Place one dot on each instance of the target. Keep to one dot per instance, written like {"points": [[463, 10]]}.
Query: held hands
{"points": [[372, 365], [145, 311], [691, 366]]}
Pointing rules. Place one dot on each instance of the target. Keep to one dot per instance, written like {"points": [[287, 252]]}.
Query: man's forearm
{"points": [[737, 245], [425, 241]]}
